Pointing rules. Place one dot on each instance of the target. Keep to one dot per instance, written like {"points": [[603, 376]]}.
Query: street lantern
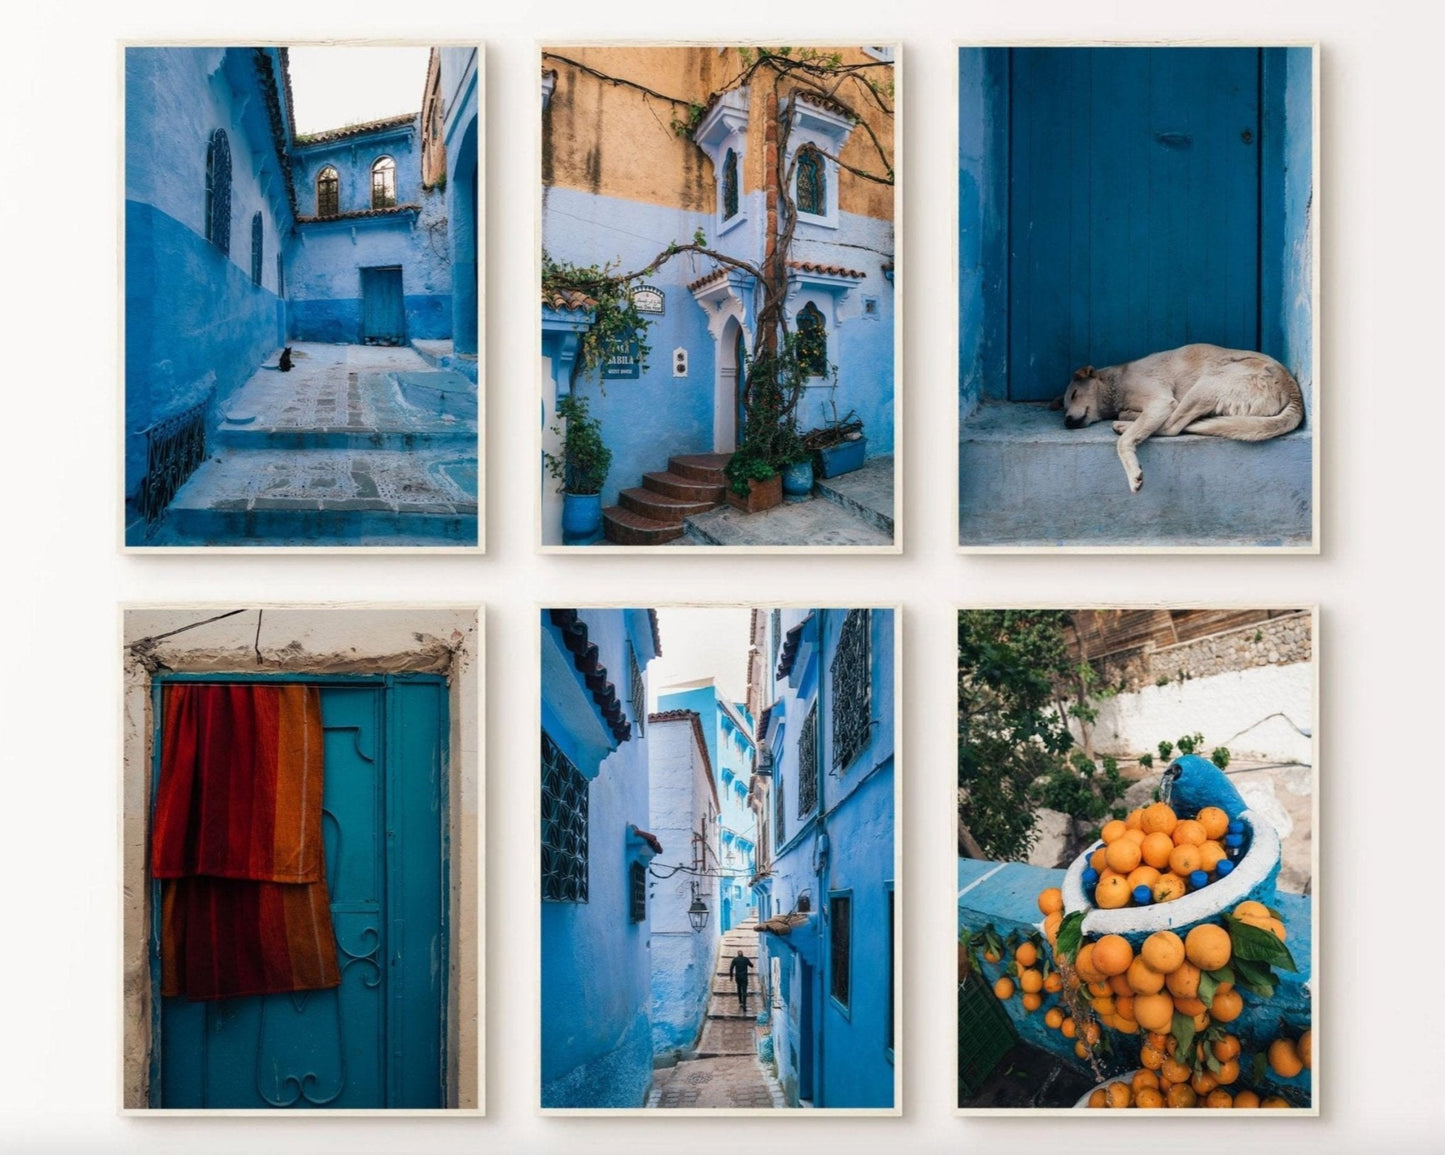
{"points": [[697, 914]]}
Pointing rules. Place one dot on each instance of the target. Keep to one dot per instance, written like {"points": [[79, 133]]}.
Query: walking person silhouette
{"points": [[739, 968]]}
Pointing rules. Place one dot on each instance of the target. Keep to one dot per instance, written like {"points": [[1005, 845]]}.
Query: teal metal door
{"points": [[383, 309], [378, 1040], [1134, 206]]}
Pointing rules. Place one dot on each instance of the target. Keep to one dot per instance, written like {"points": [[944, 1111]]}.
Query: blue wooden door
{"points": [[378, 1040], [383, 311], [1134, 206]]}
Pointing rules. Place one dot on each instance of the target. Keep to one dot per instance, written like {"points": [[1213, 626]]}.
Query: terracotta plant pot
{"points": [[761, 495]]}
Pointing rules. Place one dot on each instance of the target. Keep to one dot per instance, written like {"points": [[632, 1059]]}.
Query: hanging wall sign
{"points": [[648, 299], [623, 363]]}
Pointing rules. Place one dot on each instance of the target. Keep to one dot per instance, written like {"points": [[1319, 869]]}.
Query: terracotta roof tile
{"points": [[570, 300], [303, 139], [707, 279], [826, 270], [821, 101], [792, 643], [648, 837], [363, 214], [594, 673]]}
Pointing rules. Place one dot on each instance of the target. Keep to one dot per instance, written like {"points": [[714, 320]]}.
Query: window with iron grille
{"points": [[775, 630], [383, 183], [812, 182], [218, 190], [564, 827], [812, 342], [840, 944], [808, 764], [639, 690], [328, 192], [852, 689], [637, 894], [257, 229], [730, 185], [782, 821]]}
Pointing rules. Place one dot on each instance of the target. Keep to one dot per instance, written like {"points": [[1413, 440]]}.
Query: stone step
{"points": [[235, 436], [326, 497], [704, 467], [866, 492], [624, 527], [681, 488], [1025, 480], [667, 510]]}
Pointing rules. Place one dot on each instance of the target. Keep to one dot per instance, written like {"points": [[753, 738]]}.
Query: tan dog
{"points": [[1194, 389]]}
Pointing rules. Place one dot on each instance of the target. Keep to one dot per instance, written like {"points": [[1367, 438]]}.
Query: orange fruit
{"points": [[1173, 1071], [1084, 965], [1134, 819], [1112, 954], [1183, 981], [1156, 849], [1169, 887], [1053, 1018], [1219, 1097], [1245, 1098], [1124, 1008], [1096, 860], [1126, 1026], [1081, 1050], [1211, 854], [1189, 832], [1158, 816], [1119, 985], [1142, 876], [1027, 954], [1185, 860], [1150, 1098], [1275, 1101], [1284, 1059], [1089, 1032], [1053, 983], [1102, 1004], [1306, 1047], [1214, 820], [1100, 990], [1113, 831], [1031, 981], [1004, 988], [1122, 855], [1190, 1007], [1203, 1082], [1142, 1079], [1151, 1057], [1118, 1095], [1226, 1007], [1251, 909], [1181, 1095], [1112, 893], [1154, 1012], [1143, 979], [1097, 1098], [1134, 836], [1207, 946], [1068, 1028], [1051, 900], [1226, 1048], [1228, 1072], [1160, 1040], [1162, 951], [1052, 922], [1033, 1001], [990, 956]]}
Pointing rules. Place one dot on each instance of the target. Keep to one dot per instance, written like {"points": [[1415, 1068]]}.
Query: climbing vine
{"points": [[780, 365]]}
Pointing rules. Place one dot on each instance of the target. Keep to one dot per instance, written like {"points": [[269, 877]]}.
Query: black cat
{"points": [[286, 359]]}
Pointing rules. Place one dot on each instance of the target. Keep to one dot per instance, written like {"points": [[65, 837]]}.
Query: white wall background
{"points": [[1378, 380]]}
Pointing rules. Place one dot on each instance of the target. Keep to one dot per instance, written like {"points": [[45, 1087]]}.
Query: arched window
{"points": [[256, 229], [218, 191], [812, 196], [328, 192], [812, 342], [730, 185], [383, 183]]}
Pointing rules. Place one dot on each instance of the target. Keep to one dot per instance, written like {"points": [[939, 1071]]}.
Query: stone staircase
{"points": [[723, 1005], [653, 513]]}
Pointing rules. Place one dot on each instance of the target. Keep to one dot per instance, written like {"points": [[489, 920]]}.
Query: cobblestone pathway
{"points": [[727, 1072]]}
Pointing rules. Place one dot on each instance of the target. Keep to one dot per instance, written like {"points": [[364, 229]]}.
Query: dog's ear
{"points": [[1057, 402], [1084, 374]]}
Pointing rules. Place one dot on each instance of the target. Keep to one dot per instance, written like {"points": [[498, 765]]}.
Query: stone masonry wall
{"points": [[1276, 642]]}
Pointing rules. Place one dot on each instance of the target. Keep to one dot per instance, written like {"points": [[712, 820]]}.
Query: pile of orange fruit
{"points": [[1164, 1081], [1154, 848]]}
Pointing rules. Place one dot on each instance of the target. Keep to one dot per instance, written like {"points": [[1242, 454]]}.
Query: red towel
{"points": [[237, 839]]}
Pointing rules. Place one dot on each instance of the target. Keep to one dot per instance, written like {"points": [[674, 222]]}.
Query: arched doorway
{"points": [[729, 419]]}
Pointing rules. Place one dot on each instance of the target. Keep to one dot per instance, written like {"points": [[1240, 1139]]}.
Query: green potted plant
{"points": [[580, 469], [754, 483], [796, 463]]}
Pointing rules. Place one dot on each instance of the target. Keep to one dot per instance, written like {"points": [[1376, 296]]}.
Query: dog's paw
{"points": [[1136, 478], [1120, 426]]}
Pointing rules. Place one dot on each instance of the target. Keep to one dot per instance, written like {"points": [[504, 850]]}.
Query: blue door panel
{"points": [[1134, 194], [378, 1039], [383, 309]]}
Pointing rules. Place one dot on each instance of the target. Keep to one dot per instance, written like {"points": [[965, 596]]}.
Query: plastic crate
{"points": [[985, 1035]]}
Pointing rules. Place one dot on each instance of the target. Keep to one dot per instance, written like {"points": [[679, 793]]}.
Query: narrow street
{"points": [[726, 1071]]}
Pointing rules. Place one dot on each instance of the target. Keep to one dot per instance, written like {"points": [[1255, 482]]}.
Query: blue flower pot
{"points": [[798, 481], [581, 517]]}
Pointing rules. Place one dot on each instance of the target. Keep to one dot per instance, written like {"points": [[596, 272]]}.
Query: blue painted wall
{"points": [[1005, 895], [324, 278], [196, 325], [987, 235], [461, 102], [832, 1054], [596, 1034]]}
